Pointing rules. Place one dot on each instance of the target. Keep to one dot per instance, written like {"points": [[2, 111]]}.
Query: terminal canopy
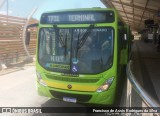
{"points": [[135, 12]]}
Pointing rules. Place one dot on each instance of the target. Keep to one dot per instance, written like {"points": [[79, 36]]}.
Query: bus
{"points": [[80, 55]]}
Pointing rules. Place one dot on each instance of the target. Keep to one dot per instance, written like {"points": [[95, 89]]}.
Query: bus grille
{"points": [[79, 97], [72, 79]]}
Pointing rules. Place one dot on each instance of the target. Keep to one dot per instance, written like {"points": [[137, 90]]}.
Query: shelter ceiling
{"points": [[134, 12]]}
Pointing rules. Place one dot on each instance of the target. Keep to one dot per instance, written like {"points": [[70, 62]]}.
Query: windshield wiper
{"points": [[63, 43], [77, 45], [65, 47], [58, 35], [81, 41], [85, 36]]}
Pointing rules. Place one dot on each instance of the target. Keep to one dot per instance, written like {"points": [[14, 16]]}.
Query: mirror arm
{"points": [[27, 33]]}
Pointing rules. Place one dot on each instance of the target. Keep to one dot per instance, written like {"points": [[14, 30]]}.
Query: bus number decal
{"points": [[57, 58], [53, 18]]}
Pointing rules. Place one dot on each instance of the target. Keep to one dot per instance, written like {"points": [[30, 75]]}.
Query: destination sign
{"points": [[77, 17]]}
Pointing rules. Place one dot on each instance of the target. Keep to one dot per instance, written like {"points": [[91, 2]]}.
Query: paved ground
{"points": [[15, 67], [18, 89], [146, 65]]}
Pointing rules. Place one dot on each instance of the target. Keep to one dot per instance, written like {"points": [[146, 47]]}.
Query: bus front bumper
{"points": [[104, 98]]}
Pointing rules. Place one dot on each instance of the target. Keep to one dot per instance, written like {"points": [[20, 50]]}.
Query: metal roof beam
{"points": [[143, 12], [135, 6], [124, 11], [137, 15], [129, 18], [133, 11]]}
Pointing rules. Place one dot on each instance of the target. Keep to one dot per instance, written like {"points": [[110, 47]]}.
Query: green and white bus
{"points": [[80, 55]]}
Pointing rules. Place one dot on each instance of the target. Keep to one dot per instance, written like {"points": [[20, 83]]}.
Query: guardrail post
{"points": [[129, 91]]}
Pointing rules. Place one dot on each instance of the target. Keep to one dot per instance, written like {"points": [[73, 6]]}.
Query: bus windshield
{"points": [[75, 50]]}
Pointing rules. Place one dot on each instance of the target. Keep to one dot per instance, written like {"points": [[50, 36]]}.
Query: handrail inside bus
{"points": [[150, 102]]}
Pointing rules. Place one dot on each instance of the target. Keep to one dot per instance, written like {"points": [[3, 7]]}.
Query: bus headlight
{"points": [[40, 80], [106, 85]]}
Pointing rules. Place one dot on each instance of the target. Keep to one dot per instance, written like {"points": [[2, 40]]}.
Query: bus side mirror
{"points": [[125, 37], [125, 41], [27, 38], [28, 33]]}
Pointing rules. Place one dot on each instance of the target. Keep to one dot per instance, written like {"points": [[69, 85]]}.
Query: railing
{"points": [[150, 102]]}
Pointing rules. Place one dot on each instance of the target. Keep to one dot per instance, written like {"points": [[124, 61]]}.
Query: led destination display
{"points": [[78, 17]]}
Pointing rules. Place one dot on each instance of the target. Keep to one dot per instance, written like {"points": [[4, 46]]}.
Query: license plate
{"points": [[69, 99]]}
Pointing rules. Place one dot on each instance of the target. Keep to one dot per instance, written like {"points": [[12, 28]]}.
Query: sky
{"points": [[23, 8]]}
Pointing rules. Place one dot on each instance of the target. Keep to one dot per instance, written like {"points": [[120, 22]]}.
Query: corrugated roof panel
{"points": [[126, 1], [125, 18], [148, 15], [140, 3], [129, 16], [130, 19], [116, 4], [122, 14], [129, 9], [137, 18], [134, 12], [154, 4], [138, 11]]}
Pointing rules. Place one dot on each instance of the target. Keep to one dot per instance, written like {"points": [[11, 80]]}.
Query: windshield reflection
{"points": [[61, 51]]}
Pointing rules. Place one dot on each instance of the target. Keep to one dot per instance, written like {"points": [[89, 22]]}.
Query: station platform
{"points": [[146, 67]]}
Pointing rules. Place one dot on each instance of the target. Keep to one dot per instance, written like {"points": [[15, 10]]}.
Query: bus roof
{"points": [[82, 9]]}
